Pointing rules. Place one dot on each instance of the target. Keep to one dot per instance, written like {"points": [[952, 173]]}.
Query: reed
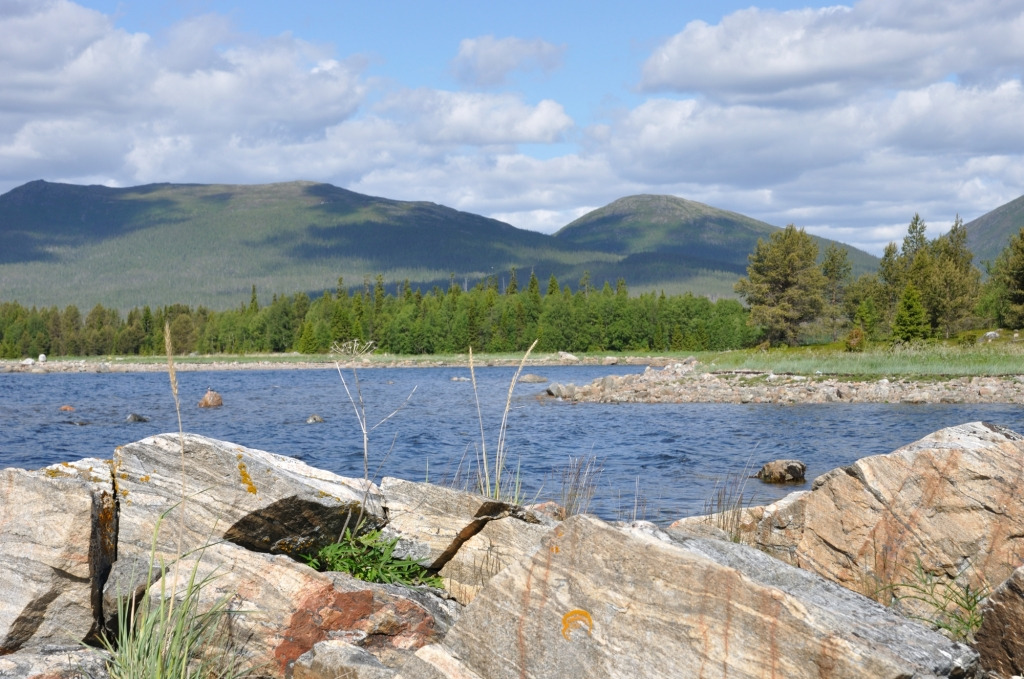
{"points": [[494, 479]]}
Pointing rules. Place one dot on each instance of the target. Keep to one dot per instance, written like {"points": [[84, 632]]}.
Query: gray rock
{"points": [[335, 659], [58, 528], [530, 378], [56, 662], [563, 391], [465, 537], [1000, 641], [314, 419], [259, 500], [135, 417], [622, 602]]}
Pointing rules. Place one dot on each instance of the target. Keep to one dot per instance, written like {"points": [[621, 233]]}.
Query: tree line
{"points": [[397, 319], [923, 289]]}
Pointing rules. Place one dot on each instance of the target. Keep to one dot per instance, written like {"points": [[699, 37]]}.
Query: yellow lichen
{"points": [[246, 479], [55, 473], [144, 479]]}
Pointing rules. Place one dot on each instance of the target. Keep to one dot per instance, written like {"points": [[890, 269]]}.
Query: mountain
{"points": [[208, 244], [651, 230], [990, 233]]}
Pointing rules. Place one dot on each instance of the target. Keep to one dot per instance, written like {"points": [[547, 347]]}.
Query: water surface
{"points": [[660, 461]]}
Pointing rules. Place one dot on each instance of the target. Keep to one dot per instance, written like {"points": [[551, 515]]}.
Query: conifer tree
{"points": [[1008, 278], [911, 320], [784, 287], [836, 269]]}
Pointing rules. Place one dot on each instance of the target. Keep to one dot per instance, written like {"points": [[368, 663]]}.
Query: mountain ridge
{"points": [[207, 244]]}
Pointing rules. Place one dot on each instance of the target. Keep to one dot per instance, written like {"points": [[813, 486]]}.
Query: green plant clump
{"points": [[954, 606], [370, 557]]}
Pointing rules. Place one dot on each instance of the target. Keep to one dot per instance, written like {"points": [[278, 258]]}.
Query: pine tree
{"points": [[954, 283], [911, 320], [784, 287], [1008, 277], [836, 269]]}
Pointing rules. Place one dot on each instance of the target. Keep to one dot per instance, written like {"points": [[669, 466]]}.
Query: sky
{"points": [[845, 120]]}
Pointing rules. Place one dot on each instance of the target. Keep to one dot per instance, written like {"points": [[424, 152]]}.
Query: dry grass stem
{"points": [[579, 483]]}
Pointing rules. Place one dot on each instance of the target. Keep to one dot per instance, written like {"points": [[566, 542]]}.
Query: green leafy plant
{"points": [[370, 557], [952, 606]]}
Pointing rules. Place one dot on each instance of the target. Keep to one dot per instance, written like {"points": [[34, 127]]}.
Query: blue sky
{"points": [[843, 119]]}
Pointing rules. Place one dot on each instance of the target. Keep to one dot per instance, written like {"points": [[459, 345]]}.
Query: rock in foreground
{"points": [[602, 601], [950, 502]]}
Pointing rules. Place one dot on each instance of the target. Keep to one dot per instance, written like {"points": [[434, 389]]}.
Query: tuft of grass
{"points": [[579, 483], [370, 557], [170, 636], [728, 500]]}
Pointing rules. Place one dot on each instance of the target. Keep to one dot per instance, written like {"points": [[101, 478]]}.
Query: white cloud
{"points": [[821, 55], [472, 118], [845, 120], [488, 61]]}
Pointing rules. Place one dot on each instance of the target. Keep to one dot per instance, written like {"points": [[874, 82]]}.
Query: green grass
{"points": [[925, 361]]}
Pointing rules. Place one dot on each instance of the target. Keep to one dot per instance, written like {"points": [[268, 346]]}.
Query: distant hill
{"points": [[990, 233], [208, 244], [652, 231]]}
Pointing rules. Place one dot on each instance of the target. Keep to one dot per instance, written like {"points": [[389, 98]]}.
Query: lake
{"points": [[660, 461]]}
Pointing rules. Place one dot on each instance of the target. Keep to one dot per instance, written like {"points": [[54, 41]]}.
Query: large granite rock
{"points": [[465, 537], [282, 609], [255, 499], [602, 601], [950, 502], [1000, 641], [57, 537]]}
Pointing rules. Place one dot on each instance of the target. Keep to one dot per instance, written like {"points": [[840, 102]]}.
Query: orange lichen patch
{"points": [[55, 473], [574, 619], [246, 479]]}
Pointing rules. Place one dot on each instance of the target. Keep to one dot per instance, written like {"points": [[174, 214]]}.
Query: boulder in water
{"points": [[211, 399]]}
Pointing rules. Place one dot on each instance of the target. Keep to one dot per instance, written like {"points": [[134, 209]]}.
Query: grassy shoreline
{"points": [[1003, 357]]}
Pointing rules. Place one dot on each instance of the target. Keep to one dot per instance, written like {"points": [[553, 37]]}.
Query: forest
{"points": [[924, 290], [399, 320]]}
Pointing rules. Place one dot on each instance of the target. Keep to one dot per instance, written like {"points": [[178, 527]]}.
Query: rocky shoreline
{"points": [[665, 380], [685, 383]]}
